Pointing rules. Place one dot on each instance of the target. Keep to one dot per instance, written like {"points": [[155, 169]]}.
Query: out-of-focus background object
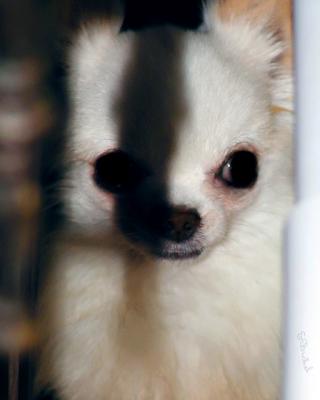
{"points": [[26, 117]]}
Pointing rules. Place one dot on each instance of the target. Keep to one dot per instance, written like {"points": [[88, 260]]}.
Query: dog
{"points": [[166, 283]]}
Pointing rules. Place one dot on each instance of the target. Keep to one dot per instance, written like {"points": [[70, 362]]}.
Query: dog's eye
{"points": [[240, 170], [118, 173]]}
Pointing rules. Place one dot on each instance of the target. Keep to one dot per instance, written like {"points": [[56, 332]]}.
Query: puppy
{"points": [[166, 284]]}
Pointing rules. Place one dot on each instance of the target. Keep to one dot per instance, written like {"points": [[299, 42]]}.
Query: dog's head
{"points": [[176, 138]]}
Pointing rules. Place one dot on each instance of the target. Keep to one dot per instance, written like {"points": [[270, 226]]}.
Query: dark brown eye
{"points": [[118, 173], [240, 170]]}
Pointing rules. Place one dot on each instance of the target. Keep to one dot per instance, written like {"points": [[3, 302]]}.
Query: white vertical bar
{"points": [[302, 314], [302, 277], [307, 65]]}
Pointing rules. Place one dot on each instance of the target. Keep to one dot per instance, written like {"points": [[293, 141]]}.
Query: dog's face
{"points": [[174, 140]]}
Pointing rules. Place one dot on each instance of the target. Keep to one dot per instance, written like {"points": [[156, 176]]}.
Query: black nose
{"points": [[181, 224]]}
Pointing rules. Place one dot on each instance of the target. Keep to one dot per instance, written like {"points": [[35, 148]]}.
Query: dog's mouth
{"points": [[177, 251], [179, 255], [165, 249]]}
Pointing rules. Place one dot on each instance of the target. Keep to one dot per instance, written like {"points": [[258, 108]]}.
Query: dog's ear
{"points": [[274, 16], [90, 42]]}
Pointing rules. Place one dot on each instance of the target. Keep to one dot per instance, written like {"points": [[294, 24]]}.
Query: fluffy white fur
{"points": [[120, 325]]}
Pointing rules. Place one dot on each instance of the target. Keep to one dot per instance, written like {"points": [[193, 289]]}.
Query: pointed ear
{"points": [[90, 43], [274, 16]]}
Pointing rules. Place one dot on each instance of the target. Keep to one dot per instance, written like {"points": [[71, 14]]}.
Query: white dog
{"points": [[167, 285]]}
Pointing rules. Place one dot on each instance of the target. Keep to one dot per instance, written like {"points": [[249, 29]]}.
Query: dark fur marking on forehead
{"points": [[150, 108], [151, 103]]}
